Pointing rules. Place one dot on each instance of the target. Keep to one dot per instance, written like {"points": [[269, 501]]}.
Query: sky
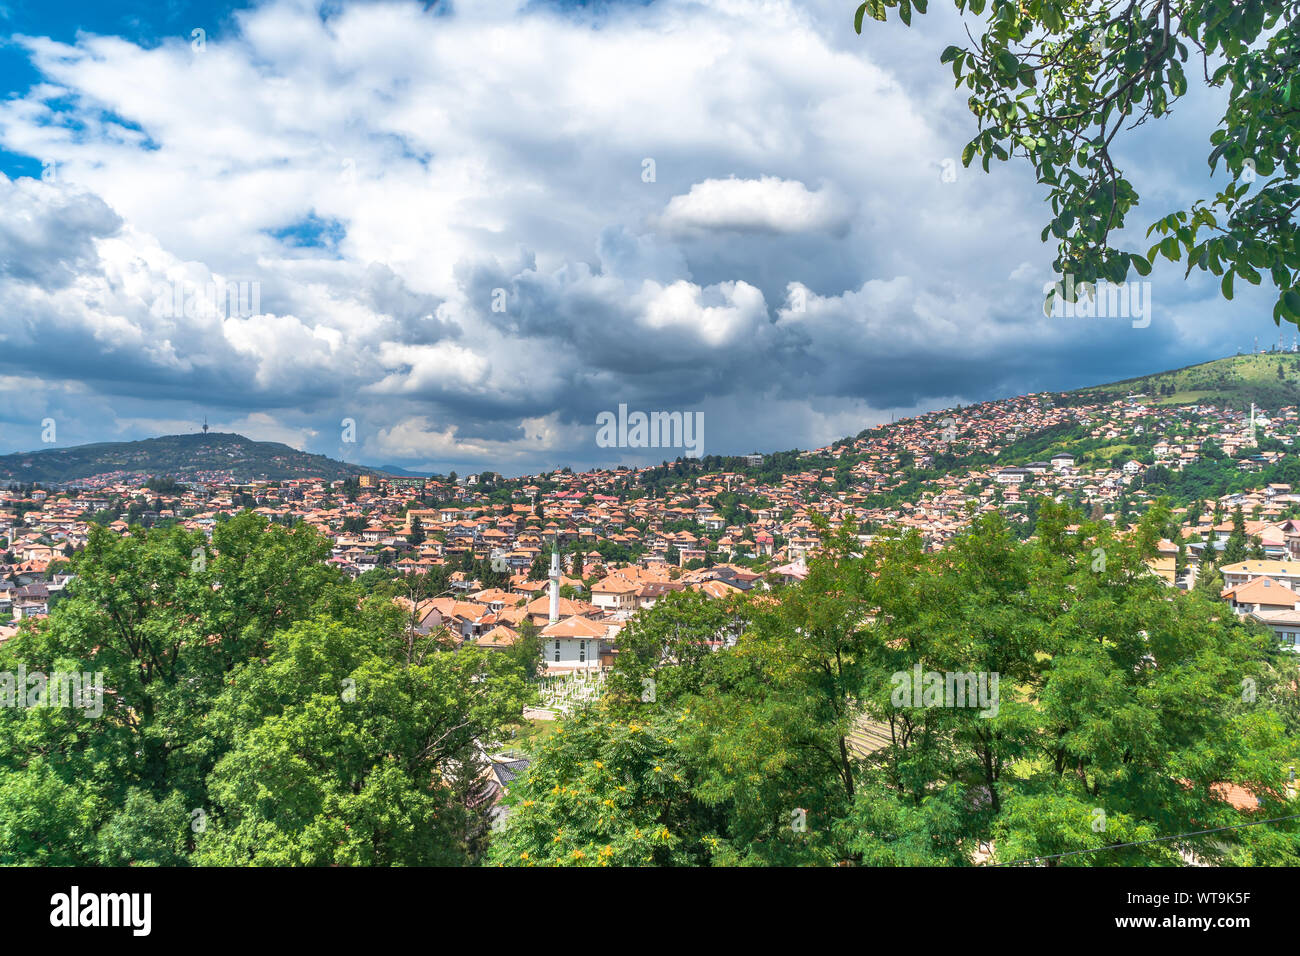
{"points": [[450, 235]]}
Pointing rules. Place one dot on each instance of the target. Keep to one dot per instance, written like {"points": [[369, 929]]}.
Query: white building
{"points": [[573, 644]]}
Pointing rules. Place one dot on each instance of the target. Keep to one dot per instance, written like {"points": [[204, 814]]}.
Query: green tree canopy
{"points": [[256, 708], [1120, 711], [1060, 83]]}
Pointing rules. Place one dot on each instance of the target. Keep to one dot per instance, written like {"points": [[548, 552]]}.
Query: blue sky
{"points": [[471, 229]]}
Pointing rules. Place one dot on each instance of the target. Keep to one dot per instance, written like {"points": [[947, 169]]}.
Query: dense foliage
{"points": [[1122, 711], [256, 710], [1057, 82]]}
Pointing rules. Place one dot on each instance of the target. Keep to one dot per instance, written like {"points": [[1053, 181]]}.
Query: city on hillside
{"points": [[628, 535], [748, 435]]}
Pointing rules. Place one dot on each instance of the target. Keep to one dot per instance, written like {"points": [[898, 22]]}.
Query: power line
{"points": [[1120, 846]]}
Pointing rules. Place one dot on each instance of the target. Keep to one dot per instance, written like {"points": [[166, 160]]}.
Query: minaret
{"points": [[555, 585], [1250, 435]]}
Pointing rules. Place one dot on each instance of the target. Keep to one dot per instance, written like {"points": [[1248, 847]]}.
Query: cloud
{"points": [[420, 439], [47, 233], [454, 243], [769, 204]]}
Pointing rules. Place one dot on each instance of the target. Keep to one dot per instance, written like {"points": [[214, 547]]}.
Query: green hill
{"points": [[182, 457], [1235, 381]]}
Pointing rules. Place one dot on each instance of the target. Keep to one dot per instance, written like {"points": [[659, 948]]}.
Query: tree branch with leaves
{"points": [[1059, 83]]}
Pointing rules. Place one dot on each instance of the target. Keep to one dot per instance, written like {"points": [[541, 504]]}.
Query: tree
{"points": [[1209, 581], [416, 536], [540, 569], [342, 753], [1057, 83], [1115, 710], [668, 645], [608, 793], [225, 667], [527, 648], [1238, 544]]}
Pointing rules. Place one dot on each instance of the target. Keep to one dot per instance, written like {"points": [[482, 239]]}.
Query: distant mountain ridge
{"points": [[194, 457], [1269, 379]]}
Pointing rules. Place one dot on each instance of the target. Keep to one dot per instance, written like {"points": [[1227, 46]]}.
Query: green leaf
{"points": [[1226, 285], [857, 18], [1140, 264], [1291, 302]]}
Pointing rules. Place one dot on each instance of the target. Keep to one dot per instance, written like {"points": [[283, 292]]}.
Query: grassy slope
{"points": [[1235, 381]]}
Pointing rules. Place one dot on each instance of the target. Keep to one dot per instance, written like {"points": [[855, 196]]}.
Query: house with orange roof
{"points": [[466, 619], [539, 610], [615, 593], [717, 588], [1261, 595], [499, 638]]}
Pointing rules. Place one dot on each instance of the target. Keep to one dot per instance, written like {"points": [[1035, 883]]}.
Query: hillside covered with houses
{"points": [[727, 525]]}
